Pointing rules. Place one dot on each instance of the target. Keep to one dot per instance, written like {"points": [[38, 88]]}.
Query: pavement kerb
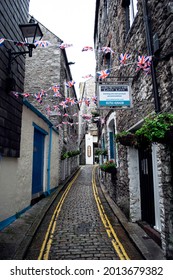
{"points": [[146, 246], [22, 248]]}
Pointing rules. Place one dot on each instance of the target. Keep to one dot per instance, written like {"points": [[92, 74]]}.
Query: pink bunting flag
{"points": [[56, 107], [57, 94], [70, 84], [87, 76], [66, 115], [21, 44], [107, 50], [25, 95], [67, 100], [2, 41], [64, 45], [56, 88], [87, 101], [144, 63], [103, 74], [63, 104], [87, 48], [42, 44], [73, 102], [94, 99], [86, 117], [124, 57]]}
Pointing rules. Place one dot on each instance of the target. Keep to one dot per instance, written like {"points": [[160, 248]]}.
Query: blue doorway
{"points": [[38, 161]]}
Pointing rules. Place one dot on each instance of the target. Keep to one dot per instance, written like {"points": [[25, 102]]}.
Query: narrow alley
{"points": [[81, 226]]}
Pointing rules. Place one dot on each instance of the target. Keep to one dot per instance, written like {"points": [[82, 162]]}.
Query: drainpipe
{"points": [[147, 25], [49, 160]]}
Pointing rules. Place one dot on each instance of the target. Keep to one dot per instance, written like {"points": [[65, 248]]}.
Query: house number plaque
{"points": [[89, 151]]}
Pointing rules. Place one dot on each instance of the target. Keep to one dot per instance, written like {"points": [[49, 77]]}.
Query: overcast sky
{"points": [[72, 22]]}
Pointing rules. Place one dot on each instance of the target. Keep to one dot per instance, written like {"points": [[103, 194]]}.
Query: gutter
{"points": [[147, 24]]}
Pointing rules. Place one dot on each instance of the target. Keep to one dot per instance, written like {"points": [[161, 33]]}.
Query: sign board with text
{"points": [[114, 96]]}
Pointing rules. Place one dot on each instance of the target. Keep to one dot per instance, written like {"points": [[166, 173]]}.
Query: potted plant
{"points": [[126, 138], [108, 166]]}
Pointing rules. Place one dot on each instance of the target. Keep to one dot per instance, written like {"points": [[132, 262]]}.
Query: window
{"points": [[111, 143], [105, 10], [133, 10]]}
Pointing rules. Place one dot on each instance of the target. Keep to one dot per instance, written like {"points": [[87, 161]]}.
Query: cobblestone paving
{"points": [[79, 232]]}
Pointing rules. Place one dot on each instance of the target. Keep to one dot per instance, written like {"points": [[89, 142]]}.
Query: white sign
{"points": [[114, 95]]}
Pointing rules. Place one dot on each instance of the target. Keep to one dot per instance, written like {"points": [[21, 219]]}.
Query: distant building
{"points": [[87, 123]]}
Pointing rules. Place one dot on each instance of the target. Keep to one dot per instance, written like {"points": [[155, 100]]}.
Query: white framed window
{"points": [[132, 10]]}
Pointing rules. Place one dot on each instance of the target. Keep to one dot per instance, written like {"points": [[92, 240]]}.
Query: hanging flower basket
{"points": [[126, 139], [109, 167], [156, 128]]}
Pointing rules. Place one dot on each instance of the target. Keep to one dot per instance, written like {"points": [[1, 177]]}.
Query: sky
{"points": [[73, 22]]}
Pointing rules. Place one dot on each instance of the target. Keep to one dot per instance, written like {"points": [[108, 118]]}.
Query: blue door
{"points": [[111, 141], [38, 162]]}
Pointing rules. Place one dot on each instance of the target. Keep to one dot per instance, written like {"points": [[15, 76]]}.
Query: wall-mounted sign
{"points": [[89, 151], [114, 95]]}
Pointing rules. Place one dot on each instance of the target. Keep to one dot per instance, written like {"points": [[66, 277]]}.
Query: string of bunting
{"points": [[143, 62]]}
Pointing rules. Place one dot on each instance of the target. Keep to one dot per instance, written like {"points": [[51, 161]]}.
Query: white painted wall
{"points": [[134, 184], [156, 188], [16, 173]]}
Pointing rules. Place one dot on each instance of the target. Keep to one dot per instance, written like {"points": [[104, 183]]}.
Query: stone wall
{"points": [[111, 30], [49, 67]]}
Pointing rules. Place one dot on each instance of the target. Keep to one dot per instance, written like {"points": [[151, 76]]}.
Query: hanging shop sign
{"points": [[114, 96]]}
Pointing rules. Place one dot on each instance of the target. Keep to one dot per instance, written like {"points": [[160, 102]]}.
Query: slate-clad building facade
{"points": [[12, 13]]}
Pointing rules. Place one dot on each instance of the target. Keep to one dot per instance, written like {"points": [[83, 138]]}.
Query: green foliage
{"points": [[103, 152], [108, 166], [69, 154], [155, 127], [95, 114]]}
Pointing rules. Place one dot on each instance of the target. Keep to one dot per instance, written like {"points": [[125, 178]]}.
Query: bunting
{"points": [[64, 46], [124, 57], [42, 44], [143, 62], [70, 84], [103, 74], [2, 41], [87, 48]]}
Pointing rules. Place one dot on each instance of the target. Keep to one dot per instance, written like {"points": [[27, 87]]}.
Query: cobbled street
{"points": [[79, 232]]}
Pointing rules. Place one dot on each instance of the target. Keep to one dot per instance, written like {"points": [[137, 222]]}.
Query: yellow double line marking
{"points": [[46, 246], [109, 229]]}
